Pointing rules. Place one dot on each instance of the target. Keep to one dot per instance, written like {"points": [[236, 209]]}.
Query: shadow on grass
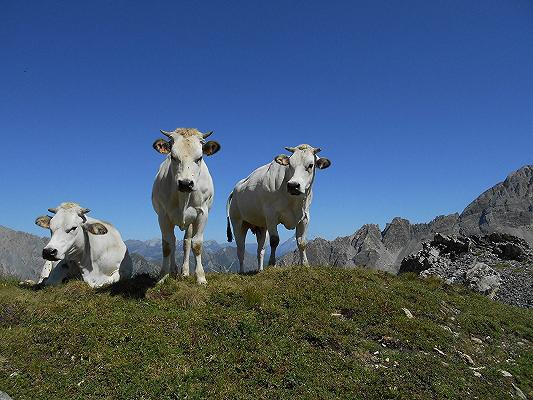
{"points": [[134, 288]]}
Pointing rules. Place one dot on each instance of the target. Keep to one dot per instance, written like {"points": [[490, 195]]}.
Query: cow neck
{"points": [[84, 256]]}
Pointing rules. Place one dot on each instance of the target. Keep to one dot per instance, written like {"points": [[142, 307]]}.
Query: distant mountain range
{"points": [[20, 254], [507, 207], [215, 257]]}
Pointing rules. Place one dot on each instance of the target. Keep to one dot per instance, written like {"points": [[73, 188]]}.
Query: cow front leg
{"points": [[61, 271], [187, 238], [47, 268], [301, 232], [197, 243], [274, 242], [261, 239], [240, 230], [168, 245]]}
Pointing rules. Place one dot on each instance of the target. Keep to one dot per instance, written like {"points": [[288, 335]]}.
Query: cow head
{"points": [[301, 165], [67, 227], [186, 147]]}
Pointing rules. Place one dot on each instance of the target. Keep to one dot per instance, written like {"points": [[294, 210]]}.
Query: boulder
{"points": [[483, 279]]}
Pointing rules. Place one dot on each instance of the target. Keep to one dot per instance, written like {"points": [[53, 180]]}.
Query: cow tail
{"points": [[228, 229]]}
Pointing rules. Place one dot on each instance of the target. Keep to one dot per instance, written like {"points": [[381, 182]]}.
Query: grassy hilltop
{"points": [[285, 333]]}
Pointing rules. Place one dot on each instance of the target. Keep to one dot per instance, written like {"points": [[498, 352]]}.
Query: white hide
{"points": [[99, 259], [262, 201], [188, 210]]}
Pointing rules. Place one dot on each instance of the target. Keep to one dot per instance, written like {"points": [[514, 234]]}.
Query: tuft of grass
{"points": [[284, 333]]}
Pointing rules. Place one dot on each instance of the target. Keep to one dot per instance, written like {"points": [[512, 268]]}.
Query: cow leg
{"points": [[47, 268], [301, 231], [60, 272], [239, 230], [197, 243], [261, 238], [186, 250], [168, 245], [274, 241]]}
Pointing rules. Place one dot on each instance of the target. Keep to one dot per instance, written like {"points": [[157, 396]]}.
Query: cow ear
{"points": [[210, 148], [43, 221], [161, 146], [96, 228], [282, 159], [323, 163]]}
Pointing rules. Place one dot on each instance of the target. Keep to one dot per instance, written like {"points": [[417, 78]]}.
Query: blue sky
{"points": [[420, 105]]}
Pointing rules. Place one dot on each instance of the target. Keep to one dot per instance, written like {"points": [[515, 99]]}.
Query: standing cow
{"points": [[182, 195], [276, 193], [84, 247]]}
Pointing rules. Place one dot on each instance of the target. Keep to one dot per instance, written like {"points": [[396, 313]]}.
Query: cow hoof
{"points": [[27, 283], [202, 281], [185, 274]]}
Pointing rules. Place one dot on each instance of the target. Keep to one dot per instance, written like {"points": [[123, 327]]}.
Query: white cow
{"points": [[83, 247], [182, 195], [276, 193]]}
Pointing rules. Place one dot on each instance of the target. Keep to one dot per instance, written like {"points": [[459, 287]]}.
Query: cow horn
{"points": [[53, 210], [167, 134], [317, 150], [206, 135], [291, 149], [82, 213]]}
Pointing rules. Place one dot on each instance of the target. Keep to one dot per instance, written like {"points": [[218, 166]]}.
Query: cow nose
{"points": [[185, 185], [49, 254], [293, 185]]}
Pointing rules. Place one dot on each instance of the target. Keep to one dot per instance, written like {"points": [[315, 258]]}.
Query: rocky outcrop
{"points": [[370, 247], [506, 207], [498, 265]]}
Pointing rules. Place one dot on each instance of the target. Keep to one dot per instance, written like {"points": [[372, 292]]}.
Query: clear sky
{"points": [[420, 105]]}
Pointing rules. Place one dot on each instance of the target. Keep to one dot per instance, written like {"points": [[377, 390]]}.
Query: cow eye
{"points": [[199, 160], [310, 166], [71, 229]]}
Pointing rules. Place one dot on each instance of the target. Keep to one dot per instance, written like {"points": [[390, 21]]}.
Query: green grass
{"points": [[270, 335]]}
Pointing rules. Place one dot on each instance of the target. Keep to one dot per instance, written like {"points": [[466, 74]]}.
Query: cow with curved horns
{"points": [[182, 195], [276, 193], [82, 247]]}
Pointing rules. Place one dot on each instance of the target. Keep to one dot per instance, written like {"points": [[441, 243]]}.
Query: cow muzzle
{"points": [[185, 185], [294, 188], [50, 254]]}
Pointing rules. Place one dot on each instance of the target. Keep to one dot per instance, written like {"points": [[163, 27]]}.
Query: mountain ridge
{"points": [[506, 207]]}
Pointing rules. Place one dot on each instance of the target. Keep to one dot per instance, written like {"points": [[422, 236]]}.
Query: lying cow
{"points": [[82, 247], [182, 195], [276, 193]]}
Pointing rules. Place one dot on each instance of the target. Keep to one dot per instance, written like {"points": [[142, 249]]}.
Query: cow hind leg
{"points": [[187, 239], [274, 242], [261, 235]]}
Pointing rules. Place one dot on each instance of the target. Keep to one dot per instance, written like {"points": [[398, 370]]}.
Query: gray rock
{"points": [[483, 279], [478, 263], [4, 396]]}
